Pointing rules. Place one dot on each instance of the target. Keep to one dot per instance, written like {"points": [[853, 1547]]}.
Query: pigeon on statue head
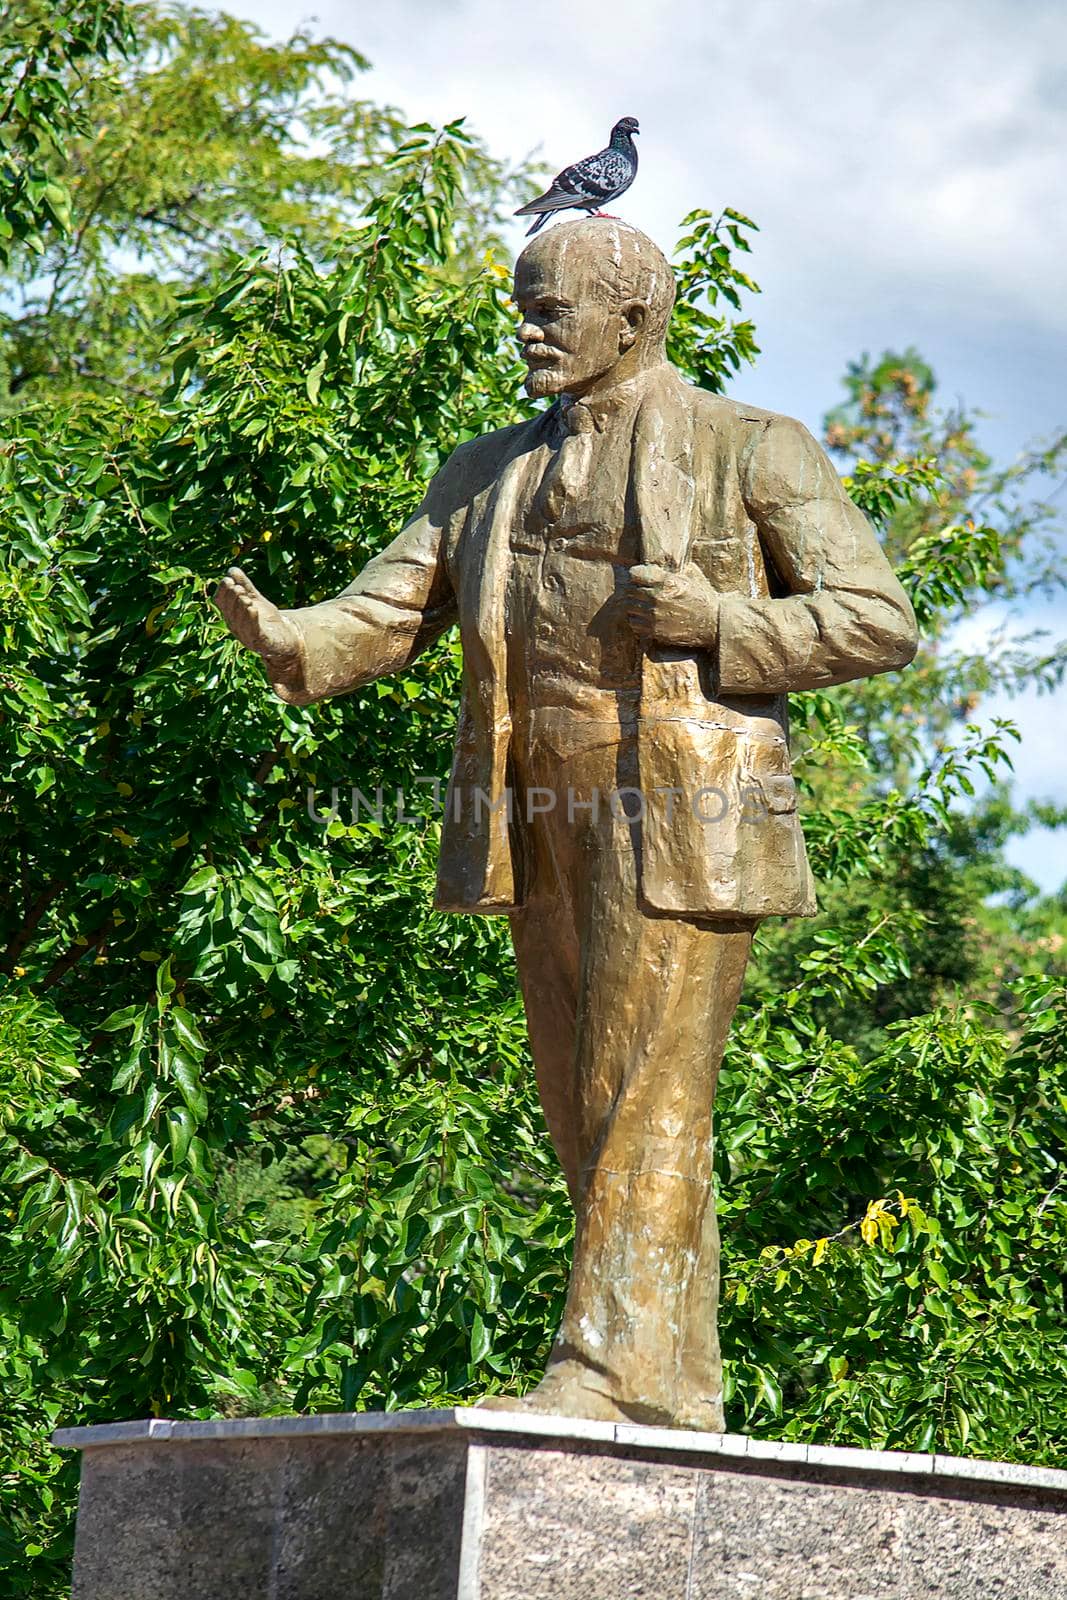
{"points": [[591, 183]]}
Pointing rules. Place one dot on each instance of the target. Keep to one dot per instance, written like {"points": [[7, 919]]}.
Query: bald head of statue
{"points": [[595, 297]]}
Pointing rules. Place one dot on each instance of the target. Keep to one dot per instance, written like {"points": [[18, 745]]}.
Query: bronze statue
{"points": [[639, 574]]}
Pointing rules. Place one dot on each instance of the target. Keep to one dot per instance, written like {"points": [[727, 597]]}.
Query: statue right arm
{"points": [[399, 603]]}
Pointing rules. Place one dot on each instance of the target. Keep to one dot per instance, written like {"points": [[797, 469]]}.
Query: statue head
{"points": [[595, 297]]}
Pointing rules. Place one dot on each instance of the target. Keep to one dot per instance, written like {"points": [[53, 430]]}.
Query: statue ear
{"points": [[634, 314]]}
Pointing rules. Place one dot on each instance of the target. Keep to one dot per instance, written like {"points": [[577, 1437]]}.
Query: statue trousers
{"points": [[628, 1016]]}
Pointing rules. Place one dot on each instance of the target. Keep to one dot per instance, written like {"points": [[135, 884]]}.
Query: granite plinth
{"points": [[472, 1505]]}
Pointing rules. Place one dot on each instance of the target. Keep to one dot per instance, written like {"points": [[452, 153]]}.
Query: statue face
{"points": [[572, 333]]}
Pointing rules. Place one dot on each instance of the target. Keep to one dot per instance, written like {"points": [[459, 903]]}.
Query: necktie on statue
{"points": [[568, 471]]}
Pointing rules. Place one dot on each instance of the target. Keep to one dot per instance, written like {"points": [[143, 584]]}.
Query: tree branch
{"points": [[29, 923], [76, 953]]}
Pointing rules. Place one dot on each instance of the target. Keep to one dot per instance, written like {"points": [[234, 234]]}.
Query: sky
{"points": [[904, 160]]}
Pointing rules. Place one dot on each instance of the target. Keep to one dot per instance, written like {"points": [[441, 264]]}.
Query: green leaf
{"points": [[188, 1080], [480, 1342], [313, 381]]}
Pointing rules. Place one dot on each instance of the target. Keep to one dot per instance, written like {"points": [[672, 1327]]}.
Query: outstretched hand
{"points": [[258, 623]]}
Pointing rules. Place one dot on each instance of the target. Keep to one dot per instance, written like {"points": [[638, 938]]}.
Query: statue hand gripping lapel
{"points": [[640, 575]]}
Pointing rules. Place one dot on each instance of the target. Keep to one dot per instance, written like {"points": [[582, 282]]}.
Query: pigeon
{"points": [[590, 183]]}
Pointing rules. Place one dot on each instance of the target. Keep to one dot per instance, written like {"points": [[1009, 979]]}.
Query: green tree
{"points": [[48, 60], [200, 143], [269, 1137]]}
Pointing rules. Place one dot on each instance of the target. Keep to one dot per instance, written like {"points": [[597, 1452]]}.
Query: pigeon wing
{"points": [[588, 182], [599, 177]]}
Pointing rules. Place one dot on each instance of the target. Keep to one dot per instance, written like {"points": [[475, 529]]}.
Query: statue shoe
{"points": [[568, 1389]]}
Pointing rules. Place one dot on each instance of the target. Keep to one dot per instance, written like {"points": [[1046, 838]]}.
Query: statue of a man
{"points": [[640, 574]]}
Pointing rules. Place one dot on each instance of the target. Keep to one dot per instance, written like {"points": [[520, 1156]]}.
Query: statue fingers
{"points": [[225, 596], [647, 574], [240, 584], [642, 621]]}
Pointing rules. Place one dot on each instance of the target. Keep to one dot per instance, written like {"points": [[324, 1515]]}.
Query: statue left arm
{"points": [[845, 614]]}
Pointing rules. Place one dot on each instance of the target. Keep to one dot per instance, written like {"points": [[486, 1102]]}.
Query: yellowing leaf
{"points": [[878, 1223], [150, 620], [124, 837], [125, 789], [177, 843], [821, 1247]]}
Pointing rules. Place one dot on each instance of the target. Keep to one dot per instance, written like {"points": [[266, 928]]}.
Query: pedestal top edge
{"points": [[518, 1424]]}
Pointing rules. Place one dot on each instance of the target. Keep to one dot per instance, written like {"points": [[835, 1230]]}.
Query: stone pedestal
{"points": [[472, 1505]]}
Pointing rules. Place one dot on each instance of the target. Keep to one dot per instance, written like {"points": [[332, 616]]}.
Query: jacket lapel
{"points": [[477, 868], [662, 476]]}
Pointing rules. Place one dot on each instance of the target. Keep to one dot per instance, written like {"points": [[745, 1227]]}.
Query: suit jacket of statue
{"points": [[807, 600]]}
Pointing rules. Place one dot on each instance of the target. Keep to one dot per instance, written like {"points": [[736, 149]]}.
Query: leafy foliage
{"points": [[270, 1138], [706, 345], [204, 144], [44, 56]]}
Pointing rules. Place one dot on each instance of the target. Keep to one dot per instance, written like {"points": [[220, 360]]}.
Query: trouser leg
{"points": [[628, 1017], [643, 1298], [547, 958]]}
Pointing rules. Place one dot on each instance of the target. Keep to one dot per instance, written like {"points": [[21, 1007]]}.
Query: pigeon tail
{"points": [[551, 200]]}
